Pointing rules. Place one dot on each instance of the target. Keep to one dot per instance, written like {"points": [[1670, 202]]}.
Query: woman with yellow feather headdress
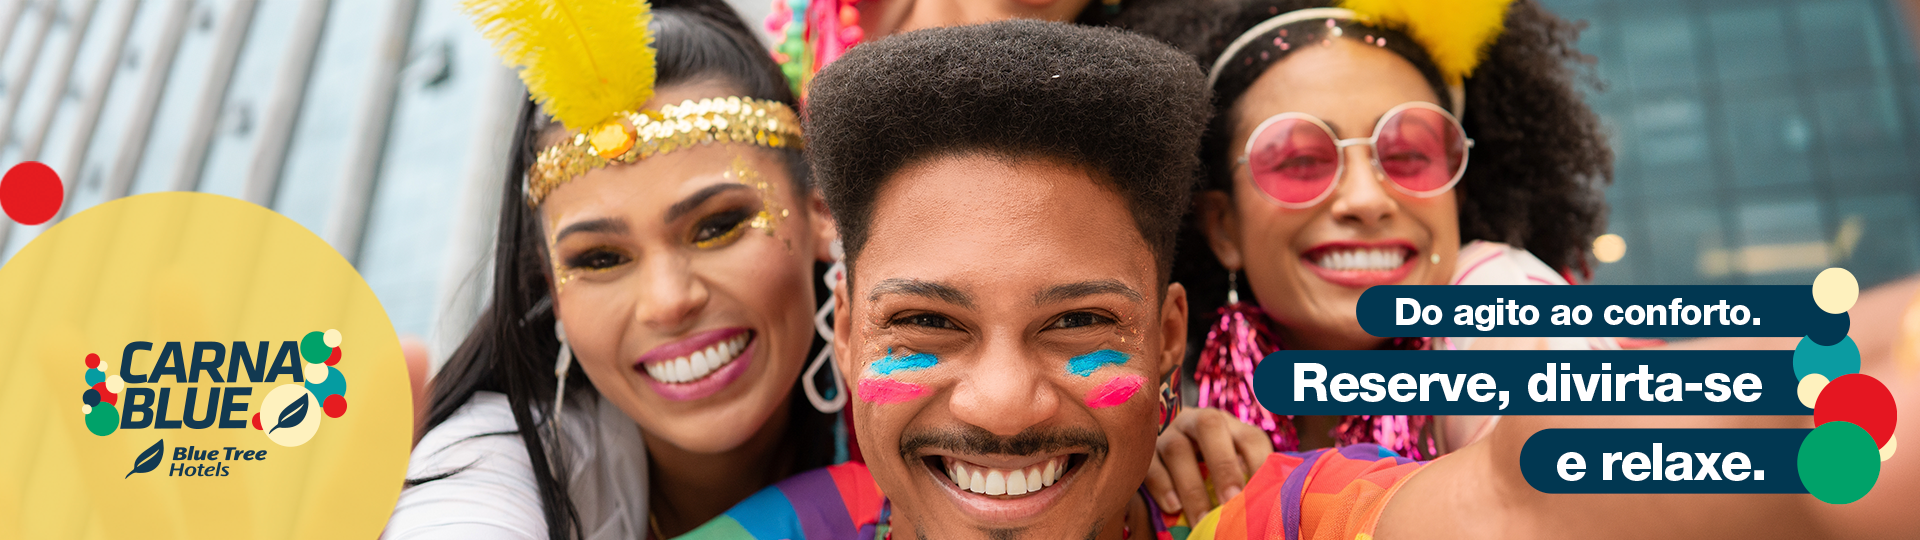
{"points": [[640, 366]]}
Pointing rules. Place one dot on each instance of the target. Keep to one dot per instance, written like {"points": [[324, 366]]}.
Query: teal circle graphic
{"points": [[1832, 361], [314, 349], [336, 384], [103, 420], [1839, 462], [94, 377]]}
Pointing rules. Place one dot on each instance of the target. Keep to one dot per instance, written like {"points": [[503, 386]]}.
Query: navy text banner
{"points": [[1529, 383], [1664, 460], [1597, 310]]}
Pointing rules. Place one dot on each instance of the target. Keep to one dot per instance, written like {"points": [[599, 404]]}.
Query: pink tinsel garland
{"points": [[1236, 344]]}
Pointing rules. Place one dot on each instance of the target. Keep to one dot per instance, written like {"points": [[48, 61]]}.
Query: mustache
{"points": [[979, 441]]}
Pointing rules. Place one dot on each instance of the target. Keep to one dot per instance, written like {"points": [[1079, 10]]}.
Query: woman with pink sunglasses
{"points": [[1339, 160]]}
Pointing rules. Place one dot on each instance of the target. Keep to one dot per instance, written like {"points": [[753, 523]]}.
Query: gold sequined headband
{"points": [[634, 136]]}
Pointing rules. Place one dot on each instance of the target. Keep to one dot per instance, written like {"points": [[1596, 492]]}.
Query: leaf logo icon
{"points": [[292, 415], [149, 459]]}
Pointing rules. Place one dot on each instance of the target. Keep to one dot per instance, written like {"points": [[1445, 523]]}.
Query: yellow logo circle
{"points": [[176, 365]]}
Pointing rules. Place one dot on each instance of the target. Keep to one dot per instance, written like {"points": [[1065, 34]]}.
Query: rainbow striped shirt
{"points": [[840, 502], [1322, 494]]}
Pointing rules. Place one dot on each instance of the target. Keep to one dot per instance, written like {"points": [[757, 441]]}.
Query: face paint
{"points": [[888, 391], [884, 391], [1115, 391], [1084, 365], [913, 362], [771, 213]]}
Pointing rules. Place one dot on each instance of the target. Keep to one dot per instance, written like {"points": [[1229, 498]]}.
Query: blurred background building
{"points": [[1757, 141]]}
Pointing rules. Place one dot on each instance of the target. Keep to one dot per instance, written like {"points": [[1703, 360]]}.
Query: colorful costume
{"points": [[840, 502], [1323, 494]]}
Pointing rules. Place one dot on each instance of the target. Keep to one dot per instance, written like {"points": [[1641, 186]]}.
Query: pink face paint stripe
{"points": [[1113, 392], [887, 391]]}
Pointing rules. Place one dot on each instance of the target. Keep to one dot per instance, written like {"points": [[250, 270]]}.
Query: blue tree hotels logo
{"points": [[182, 388]]}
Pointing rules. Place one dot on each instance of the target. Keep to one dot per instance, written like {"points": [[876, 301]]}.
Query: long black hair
{"points": [[1540, 160], [511, 348]]}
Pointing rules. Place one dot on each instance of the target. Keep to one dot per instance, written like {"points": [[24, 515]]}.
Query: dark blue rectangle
{"points": [[1771, 457], [1771, 310], [1512, 371]]}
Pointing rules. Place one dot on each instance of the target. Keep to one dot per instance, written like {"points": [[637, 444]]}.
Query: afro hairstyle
{"points": [[1128, 109]]}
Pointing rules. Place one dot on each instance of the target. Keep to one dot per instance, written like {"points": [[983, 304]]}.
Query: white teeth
{"points": [[1009, 482], [1371, 259], [996, 483], [698, 365]]}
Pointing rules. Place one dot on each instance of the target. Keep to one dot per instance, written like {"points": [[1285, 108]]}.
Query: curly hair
{"points": [[1540, 160], [1128, 109]]}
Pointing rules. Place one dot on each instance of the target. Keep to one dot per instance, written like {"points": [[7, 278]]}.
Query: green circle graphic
{"points": [[103, 420], [1839, 462], [314, 349]]}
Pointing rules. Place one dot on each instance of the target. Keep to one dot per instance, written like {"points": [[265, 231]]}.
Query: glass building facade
{"points": [[1758, 141]]}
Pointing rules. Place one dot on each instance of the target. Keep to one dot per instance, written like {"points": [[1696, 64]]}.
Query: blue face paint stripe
{"points": [[912, 362], [1085, 364]]}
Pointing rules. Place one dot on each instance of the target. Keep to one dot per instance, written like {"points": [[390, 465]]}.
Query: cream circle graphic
{"points": [[1609, 248], [1886, 450], [1835, 290], [1810, 387], [316, 373], [115, 384], [332, 338], [290, 415]]}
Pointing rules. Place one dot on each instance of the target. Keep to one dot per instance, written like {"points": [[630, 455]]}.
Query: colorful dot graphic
{"points": [[324, 384], [98, 400], [31, 193], [1853, 414]]}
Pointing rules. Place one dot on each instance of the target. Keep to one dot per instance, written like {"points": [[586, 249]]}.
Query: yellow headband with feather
{"points": [[590, 65]]}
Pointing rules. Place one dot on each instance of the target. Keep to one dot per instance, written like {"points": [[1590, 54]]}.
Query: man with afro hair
{"points": [[1008, 195]]}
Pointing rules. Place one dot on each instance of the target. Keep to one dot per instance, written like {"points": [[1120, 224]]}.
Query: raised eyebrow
{"points": [[602, 225], [1083, 289], [922, 288], [693, 201]]}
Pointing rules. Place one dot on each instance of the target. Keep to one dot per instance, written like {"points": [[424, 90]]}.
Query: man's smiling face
{"points": [[1006, 335]]}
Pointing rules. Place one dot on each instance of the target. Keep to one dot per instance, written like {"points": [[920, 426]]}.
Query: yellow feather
{"points": [[1455, 33], [583, 60]]}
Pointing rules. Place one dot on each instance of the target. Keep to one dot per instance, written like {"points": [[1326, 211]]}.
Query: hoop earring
{"points": [[828, 404], [561, 366], [1169, 398]]}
